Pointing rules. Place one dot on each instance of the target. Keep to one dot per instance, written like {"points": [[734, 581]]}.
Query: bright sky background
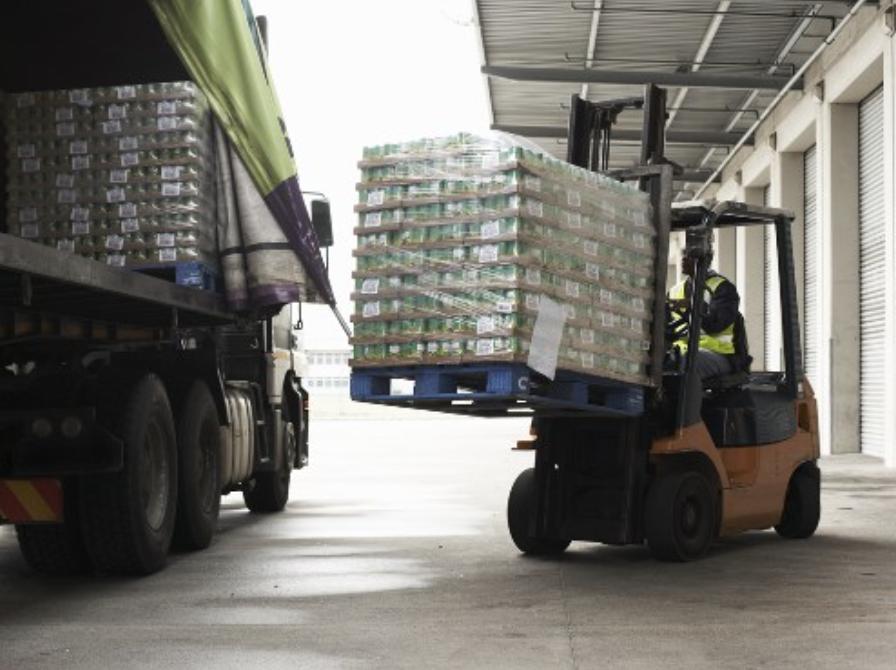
{"points": [[354, 73]]}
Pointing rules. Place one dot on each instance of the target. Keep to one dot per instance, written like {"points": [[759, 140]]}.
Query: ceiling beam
{"points": [[705, 137], [636, 77]]}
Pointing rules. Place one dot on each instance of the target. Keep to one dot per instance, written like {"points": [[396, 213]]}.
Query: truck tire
{"points": [[128, 517], [198, 482], [520, 511], [802, 505], [270, 490], [681, 516], [56, 549]]}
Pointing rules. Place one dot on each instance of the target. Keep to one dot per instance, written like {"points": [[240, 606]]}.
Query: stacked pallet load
{"points": [[464, 243], [124, 174]]}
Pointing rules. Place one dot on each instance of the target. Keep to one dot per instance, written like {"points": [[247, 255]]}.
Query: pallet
{"points": [[185, 273], [498, 389]]}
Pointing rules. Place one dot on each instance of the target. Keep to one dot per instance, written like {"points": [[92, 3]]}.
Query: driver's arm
{"points": [[723, 308]]}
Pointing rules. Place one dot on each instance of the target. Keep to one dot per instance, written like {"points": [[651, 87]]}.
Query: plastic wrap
{"points": [[461, 239], [122, 174]]}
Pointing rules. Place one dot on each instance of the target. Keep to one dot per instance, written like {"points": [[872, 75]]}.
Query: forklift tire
{"points": [[520, 512], [802, 506], [198, 486], [270, 490], [127, 518], [681, 516], [56, 549]]}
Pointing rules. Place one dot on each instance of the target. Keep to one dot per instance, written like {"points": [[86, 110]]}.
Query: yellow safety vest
{"points": [[721, 342]]}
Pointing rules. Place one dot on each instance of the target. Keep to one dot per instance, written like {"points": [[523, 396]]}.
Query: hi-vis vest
{"points": [[721, 342]]}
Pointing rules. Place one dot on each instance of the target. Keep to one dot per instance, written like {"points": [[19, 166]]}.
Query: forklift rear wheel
{"points": [[681, 516], [520, 514], [802, 506]]}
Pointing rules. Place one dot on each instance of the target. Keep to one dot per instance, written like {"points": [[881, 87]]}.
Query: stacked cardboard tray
{"points": [[122, 174], [463, 242]]}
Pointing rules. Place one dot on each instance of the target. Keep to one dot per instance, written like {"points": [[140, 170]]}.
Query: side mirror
{"points": [[321, 222]]}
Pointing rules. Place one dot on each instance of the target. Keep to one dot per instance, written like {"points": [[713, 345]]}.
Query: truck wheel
{"points": [[56, 549], [198, 485], [270, 490], [681, 516], [802, 506], [520, 512], [128, 517]]}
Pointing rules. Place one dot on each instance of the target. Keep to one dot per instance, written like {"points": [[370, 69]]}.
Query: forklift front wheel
{"points": [[681, 516], [521, 508]]}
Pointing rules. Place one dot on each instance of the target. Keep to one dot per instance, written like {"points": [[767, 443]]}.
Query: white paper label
{"points": [[116, 194], [533, 276], [535, 207], [485, 324], [573, 219], [116, 260], [573, 198], [30, 230], [375, 198], [77, 147], [167, 123], [114, 242], [129, 159], [27, 214], [587, 359], [66, 196], [591, 247], [25, 151], [65, 180], [606, 296], [572, 288], [485, 347], [79, 96], [127, 210], [171, 189], [490, 229], [587, 335], [532, 301], [65, 245], [432, 347], [126, 92], [394, 349], [31, 165], [118, 111], [592, 271], [167, 255], [111, 127], [81, 228], [66, 129], [638, 304], [119, 176], [128, 143], [546, 337], [80, 214], [373, 219], [171, 171], [80, 162], [370, 309], [608, 320], [370, 286], [65, 114], [504, 307], [166, 107], [488, 253], [165, 239], [610, 229], [130, 226], [532, 183], [25, 100]]}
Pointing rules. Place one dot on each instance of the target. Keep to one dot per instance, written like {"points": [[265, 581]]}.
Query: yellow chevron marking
{"points": [[31, 500]]}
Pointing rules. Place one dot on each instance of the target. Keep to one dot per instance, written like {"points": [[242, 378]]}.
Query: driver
{"points": [[723, 344]]}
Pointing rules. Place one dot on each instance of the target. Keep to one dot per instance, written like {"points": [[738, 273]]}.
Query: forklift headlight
{"points": [[71, 427], [41, 428]]}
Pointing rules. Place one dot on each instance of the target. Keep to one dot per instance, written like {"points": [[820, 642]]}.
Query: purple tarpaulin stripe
{"points": [[288, 207]]}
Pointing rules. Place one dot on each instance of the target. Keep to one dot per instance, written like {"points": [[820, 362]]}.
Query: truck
{"points": [[130, 402]]}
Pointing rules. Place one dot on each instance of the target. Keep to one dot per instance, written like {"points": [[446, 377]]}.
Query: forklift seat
{"points": [[722, 383]]}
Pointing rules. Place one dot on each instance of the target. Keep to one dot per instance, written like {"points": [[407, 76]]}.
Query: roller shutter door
{"points": [[872, 259], [770, 297], [810, 265]]}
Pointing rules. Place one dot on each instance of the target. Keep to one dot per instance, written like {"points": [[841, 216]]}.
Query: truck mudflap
{"points": [[31, 501]]}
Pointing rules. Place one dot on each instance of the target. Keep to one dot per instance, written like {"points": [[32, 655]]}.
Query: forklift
{"points": [[707, 458]]}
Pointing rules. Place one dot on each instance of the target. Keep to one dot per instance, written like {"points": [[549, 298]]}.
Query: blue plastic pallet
{"points": [[497, 389], [185, 273]]}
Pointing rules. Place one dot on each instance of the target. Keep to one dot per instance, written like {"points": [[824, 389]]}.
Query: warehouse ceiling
{"points": [[721, 61]]}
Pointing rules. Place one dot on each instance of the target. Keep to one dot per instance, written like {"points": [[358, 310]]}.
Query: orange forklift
{"points": [[707, 458]]}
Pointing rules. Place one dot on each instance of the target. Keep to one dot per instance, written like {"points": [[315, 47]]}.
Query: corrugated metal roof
{"points": [[750, 38]]}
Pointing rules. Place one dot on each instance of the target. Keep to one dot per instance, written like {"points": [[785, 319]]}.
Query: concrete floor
{"points": [[394, 554]]}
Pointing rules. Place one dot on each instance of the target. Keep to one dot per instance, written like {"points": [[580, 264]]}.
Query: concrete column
{"points": [[725, 261], [750, 281], [839, 291]]}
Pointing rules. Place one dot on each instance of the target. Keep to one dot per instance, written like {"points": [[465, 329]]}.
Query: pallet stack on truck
{"points": [[134, 393], [673, 461]]}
